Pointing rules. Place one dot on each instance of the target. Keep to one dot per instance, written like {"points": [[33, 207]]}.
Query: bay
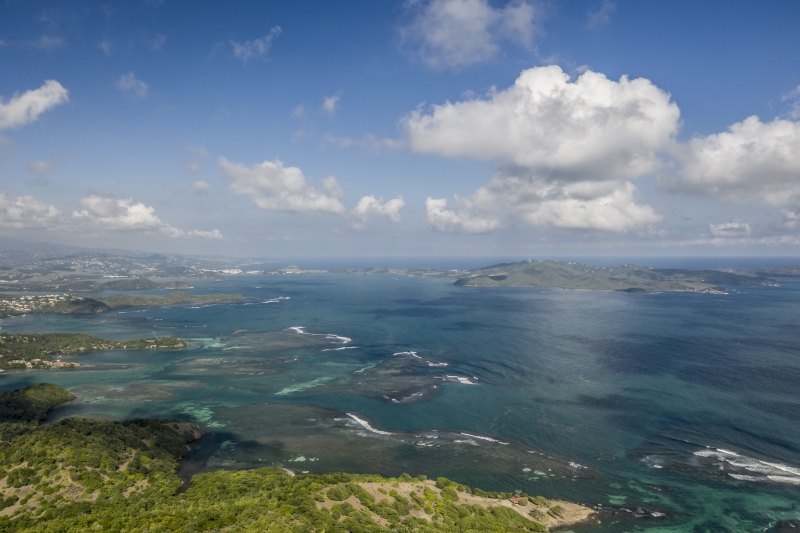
{"points": [[686, 404]]}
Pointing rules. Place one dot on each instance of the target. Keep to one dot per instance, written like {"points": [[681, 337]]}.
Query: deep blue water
{"points": [[685, 403]]}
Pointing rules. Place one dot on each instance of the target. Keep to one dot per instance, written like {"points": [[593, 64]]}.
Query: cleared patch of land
{"points": [[425, 499]]}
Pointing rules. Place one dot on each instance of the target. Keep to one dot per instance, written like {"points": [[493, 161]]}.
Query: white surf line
{"points": [[485, 438], [329, 336], [416, 356], [275, 299], [366, 425], [412, 354], [785, 468], [463, 381], [777, 472]]}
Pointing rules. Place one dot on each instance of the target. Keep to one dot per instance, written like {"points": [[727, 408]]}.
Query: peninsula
{"points": [[13, 305], [631, 278], [32, 350], [85, 475]]}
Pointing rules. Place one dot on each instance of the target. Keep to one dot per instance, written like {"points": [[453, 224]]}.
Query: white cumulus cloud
{"points": [[25, 108], [105, 213], [117, 214], [369, 207], [752, 162], [457, 33], [257, 48], [25, 212], [272, 186], [131, 86], [524, 199], [567, 150], [464, 220], [590, 128]]}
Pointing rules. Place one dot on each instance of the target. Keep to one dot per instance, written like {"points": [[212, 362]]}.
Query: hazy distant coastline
{"points": [[99, 271]]}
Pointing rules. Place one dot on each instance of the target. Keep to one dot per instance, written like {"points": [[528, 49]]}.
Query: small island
{"points": [[628, 278], [41, 351], [175, 298], [85, 475]]}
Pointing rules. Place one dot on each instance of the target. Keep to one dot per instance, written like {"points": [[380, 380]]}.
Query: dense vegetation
{"points": [[624, 277], [21, 350], [91, 475], [31, 404], [141, 300]]}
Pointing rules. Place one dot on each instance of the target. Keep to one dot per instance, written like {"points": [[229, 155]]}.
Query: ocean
{"points": [[673, 412]]}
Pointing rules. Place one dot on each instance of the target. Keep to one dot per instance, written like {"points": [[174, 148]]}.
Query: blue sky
{"points": [[444, 127]]}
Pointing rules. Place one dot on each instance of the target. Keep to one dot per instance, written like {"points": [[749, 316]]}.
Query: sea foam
{"points": [[366, 425], [768, 470]]}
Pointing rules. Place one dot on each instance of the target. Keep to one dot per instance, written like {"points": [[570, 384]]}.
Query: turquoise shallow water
{"points": [[687, 404]]}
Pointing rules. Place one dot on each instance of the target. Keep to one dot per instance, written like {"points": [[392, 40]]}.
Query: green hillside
{"points": [[31, 404], [93, 475]]}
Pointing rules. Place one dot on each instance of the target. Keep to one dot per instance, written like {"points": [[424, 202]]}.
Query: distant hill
{"points": [[631, 278], [146, 300], [778, 271]]}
